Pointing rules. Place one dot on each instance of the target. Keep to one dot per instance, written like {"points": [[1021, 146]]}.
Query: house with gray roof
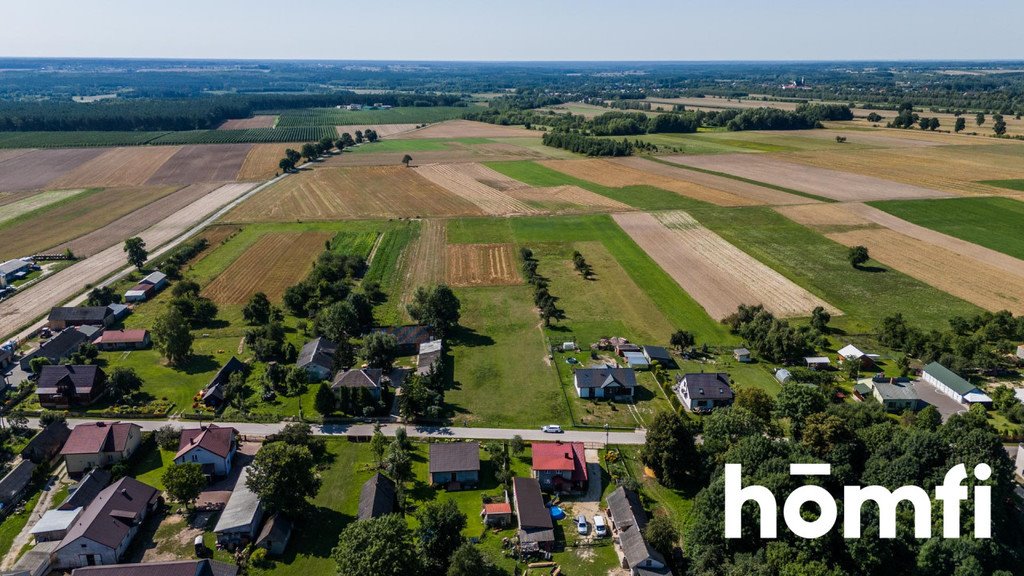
{"points": [[896, 394], [369, 379], [15, 482], [951, 384], [704, 391], [213, 394], [535, 525], [204, 567], [455, 464], [604, 382], [317, 358], [62, 317], [242, 516], [628, 520], [61, 346], [377, 497], [13, 270]]}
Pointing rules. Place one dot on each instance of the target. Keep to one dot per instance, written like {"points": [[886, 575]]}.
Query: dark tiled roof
{"points": [[377, 497], [605, 376], [204, 567], [225, 372], [15, 481], [121, 337], [408, 335], [60, 346], [110, 516], [657, 353], [97, 437], [358, 378], [277, 528], [79, 314], [319, 352], [48, 442], [530, 504], [88, 488], [707, 385], [212, 438], [82, 377], [454, 457]]}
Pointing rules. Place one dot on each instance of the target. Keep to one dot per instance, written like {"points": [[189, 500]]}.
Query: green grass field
{"points": [[992, 222], [1017, 185], [400, 115], [417, 145]]}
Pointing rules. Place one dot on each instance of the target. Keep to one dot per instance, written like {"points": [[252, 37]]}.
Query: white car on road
{"points": [[551, 429]]}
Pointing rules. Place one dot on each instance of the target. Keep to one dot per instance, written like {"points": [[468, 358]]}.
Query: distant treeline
{"points": [[182, 114], [589, 145]]}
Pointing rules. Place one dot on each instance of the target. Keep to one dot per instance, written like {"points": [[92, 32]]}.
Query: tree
{"points": [[820, 319], [980, 118], [47, 417], [756, 401], [380, 350], [797, 402], [257, 310], [293, 155], [439, 533], [102, 296], [378, 445], [406, 160], [286, 165], [669, 449], [36, 364], [516, 445], [338, 322], [135, 248], [172, 337], [326, 402], [283, 476], [184, 482], [960, 125], [682, 339], [857, 256], [661, 534], [469, 561], [122, 383], [299, 434], [998, 124], [309, 152], [168, 437], [347, 140], [380, 546], [874, 117], [326, 144], [437, 307]]}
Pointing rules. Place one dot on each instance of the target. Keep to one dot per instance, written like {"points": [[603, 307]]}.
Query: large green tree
{"points": [[437, 307], [122, 382], [380, 350], [172, 337], [184, 482], [669, 449], [439, 533], [284, 476], [135, 248], [380, 546]]}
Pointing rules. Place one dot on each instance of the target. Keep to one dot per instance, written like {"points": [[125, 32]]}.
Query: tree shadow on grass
{"points": [[198, 364], [872, 269], [317, 534], [470, 338]]}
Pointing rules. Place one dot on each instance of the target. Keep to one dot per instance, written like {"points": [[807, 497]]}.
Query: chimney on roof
{"points": [[124, 492]]}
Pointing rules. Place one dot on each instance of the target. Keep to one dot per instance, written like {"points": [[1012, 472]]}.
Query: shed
{"points": [[535, 524], [637, 360], [276, 533], [497, 514], [15, 482], [783, 375], [817, 362], [240, 520], [53, 526], [659, 355], [377, 497], [35, 562], [952, 385], [45, 446], [741, 354], [87, 489]]}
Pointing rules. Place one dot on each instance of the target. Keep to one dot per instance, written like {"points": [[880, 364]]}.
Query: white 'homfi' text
{"points": [[950, 493]]}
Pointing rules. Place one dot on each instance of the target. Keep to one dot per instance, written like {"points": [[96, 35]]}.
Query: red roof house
{"points": [[122, 340], [100, 444], [560, 466], [212, 447]]}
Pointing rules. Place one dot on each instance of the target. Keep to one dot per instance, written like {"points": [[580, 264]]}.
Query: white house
{"points": [[12, 270], [317, 358], [851, 352], [945, 381], [212, 447]]}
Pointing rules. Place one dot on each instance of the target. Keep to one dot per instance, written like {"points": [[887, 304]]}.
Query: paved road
{"points": [[455, 432], [22, 309]]}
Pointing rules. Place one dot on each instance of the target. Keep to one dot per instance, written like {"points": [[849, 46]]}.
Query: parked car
{"points": [[551, 429], [581, 525], [600, 528]]}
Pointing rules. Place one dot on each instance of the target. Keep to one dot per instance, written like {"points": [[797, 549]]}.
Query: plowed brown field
{"points": [[351, 193], [118, 167], [38, 168], [202, 163], [272, 264], [482, 265], [715, 273]]}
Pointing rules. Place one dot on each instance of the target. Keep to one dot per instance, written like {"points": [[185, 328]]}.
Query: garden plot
{"points": [[271, 265], [482, 265]]}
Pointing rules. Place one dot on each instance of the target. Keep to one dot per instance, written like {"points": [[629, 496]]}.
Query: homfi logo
{"points": [[950, 493]]}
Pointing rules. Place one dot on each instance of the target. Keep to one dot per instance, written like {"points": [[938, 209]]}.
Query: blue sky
{"points": [[517, 29]]}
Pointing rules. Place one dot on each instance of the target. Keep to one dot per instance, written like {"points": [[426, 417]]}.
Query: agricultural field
{"points": [[422, 263], [76, 139], [191, 164], [30, 203], [261, 163], [250, 135], [257, 121], [470, 182], [470, 129], [382, 130], [118, 167], [714, 272], [274, 263], [339, 117], [443, 151], [36, 169], [351, 193], [482, 265]]}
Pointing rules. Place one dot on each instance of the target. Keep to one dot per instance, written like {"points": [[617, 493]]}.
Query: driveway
{"points": [[944, 404]]}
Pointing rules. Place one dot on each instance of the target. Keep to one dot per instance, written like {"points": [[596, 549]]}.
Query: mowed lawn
{"points": [[992, 222]]}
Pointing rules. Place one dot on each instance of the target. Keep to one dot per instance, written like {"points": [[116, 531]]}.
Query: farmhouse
{"points": [[54, 525], [429, 356], [535, 525], [948, 383], [112, 340], [628, 520], [637, 360], [369, 379], [212, 447], [704, 391], [63, 317], [60, 346], [560, 466], [659, 355], [497, 514], [205, 567], [604, 382], [741, 355], [817, 362], [455, 465], [100, 444], [241, 517], [276, 533], [87, 489], [377, 497], [896, 394], [45, 446], [851, 353], [13, 270], [409, 337], [317, 358], [107, 525], [213, 394], [66, 385], [14, 483]]}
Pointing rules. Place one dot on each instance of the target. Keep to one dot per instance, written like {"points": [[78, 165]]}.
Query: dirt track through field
{"points": [[459, 180], [469, 129], [842, 186], [715, 273], [750, 192], [423, 262], [38, 168], [271, 265], [202, 163], [118, 167], [482, 265], [26, 306]]}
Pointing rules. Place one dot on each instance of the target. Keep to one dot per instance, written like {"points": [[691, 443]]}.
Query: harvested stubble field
{"points": [[469, 129], [382, 130], [752, 193], [718, 103], [131, 224], [351, 193], [616, 175], [118, 167], [829, 182], [568, 200], [423, 262], [957, 169], [258, 121], [81, 215], [272, 264], [883, 138], [482, 265], [455, 152], [714, 272], [974, 281], [37, 168], [261, 163], [469, 181], [23, 204], [202, 163]]}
